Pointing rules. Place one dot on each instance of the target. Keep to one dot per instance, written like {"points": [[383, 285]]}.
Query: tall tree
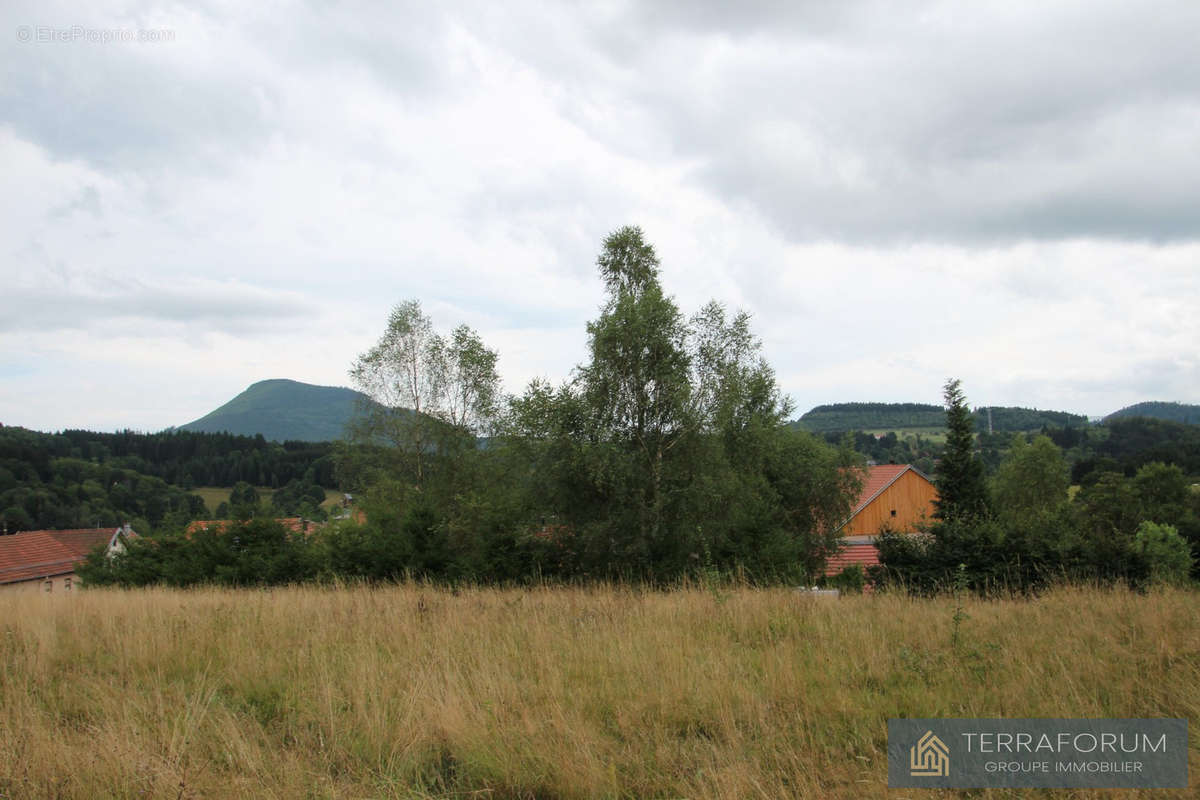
{"points": [[636, 384], [401, 374], [962, 492], [472, 383], [669, 446], [425, 387]]}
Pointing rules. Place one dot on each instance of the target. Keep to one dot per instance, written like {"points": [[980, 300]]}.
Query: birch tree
{"points": [[636, 384], [423, 386]]}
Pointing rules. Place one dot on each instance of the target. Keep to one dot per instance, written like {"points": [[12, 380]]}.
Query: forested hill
{"points": [[181, 458], [79, 479], [904, 416], [1173, 412], [284, 410], [871, 416]]}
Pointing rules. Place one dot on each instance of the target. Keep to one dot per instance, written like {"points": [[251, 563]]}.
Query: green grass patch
{"points": [[215, 495]]}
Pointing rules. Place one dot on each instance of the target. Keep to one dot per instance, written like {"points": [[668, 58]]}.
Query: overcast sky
{"points": [[224, 192]]}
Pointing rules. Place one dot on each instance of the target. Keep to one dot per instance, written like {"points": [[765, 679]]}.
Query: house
{"points": [[894, 496], [45, 561]]}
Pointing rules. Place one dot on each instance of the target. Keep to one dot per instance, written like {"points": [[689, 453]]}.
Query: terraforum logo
{"points": [[1038, 753], [929, 757]]}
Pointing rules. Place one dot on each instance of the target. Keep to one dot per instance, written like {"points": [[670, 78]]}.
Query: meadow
{"points": [[213, 496], [412, 691]]}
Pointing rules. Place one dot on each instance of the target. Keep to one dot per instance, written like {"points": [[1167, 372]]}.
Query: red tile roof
{"points": [[293, 524], [40, 554], [865, 555]]}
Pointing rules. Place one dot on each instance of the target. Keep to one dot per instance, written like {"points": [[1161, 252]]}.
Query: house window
{"points": [[66, 584], [893, 512], [49, 585]]}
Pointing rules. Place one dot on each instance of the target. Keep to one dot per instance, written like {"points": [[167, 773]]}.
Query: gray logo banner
{"points": [[1038, 753]]}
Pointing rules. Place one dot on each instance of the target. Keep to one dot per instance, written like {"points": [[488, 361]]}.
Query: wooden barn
{"points": [[897, 496]]}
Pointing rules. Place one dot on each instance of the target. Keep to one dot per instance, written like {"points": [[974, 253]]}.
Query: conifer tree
{"points": [[962, 492]]}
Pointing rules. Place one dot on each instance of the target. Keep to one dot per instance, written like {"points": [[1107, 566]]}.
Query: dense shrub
{"points": [[1165, 554], [246, 553], [851, 580]]}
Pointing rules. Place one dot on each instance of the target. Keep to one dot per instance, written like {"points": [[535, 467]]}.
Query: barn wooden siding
{"points": [[910, 496]]}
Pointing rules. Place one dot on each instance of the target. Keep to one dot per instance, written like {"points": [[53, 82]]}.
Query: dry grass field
{"points": [[410, 691]]}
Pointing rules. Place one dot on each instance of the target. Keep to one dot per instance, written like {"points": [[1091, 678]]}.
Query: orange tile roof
{"points": [[31, 555], [865, 555]]}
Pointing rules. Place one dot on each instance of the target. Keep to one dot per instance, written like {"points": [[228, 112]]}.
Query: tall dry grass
{"points": [[604, 692]]}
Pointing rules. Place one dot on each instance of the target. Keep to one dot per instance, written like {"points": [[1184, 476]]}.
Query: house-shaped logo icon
{"points": [[929, 758]]}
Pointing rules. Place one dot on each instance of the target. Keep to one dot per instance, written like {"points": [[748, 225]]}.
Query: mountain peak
{"points": [[282, 409]]}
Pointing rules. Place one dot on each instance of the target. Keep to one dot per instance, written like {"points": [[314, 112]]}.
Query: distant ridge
{"points": [[283, 410], [871, 416], [839, 417], [1175, 412]]}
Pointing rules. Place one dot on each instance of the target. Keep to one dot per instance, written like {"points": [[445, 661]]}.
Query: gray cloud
{"points": [[115, 107], [841, 121], [109, 306], [87, 202], [942, 123], [219, 87]]}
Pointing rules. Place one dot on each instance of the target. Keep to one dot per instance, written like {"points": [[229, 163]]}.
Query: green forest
{"points": [[77, 479]]}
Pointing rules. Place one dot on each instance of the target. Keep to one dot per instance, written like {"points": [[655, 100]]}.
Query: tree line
{"points": [[839, 418], [183, 458], [666, 453], [80, 479]]}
